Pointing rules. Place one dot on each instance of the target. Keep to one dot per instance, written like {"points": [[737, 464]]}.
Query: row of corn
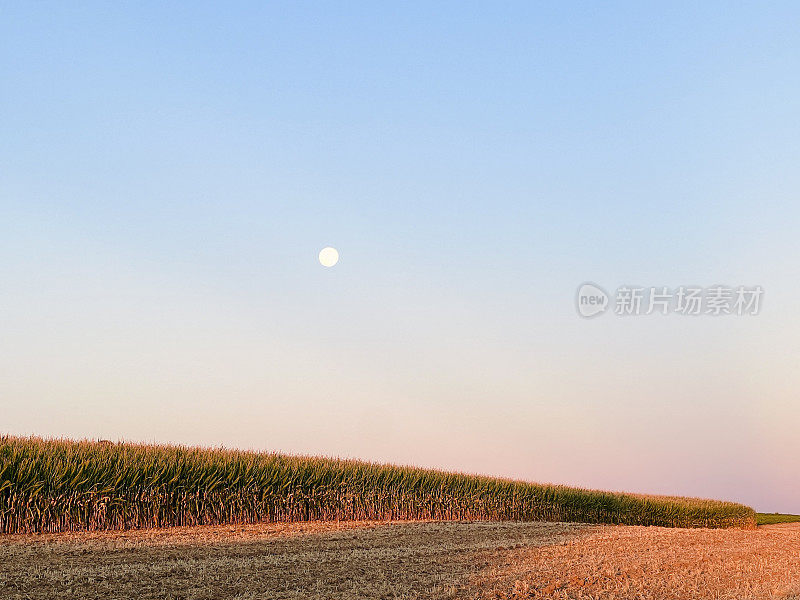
{"points": [[64, 485]]}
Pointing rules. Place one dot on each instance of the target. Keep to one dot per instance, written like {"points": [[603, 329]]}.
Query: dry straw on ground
{"points": [[642, 563], [428, 560]]}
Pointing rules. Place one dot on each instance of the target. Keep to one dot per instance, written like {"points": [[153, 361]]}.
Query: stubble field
{"points": [[349, 560]]}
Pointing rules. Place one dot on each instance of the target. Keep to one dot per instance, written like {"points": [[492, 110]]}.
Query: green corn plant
{"points": [[65, 485]]}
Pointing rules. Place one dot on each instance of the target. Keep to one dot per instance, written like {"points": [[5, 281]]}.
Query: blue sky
{"points": [[169, 173]]}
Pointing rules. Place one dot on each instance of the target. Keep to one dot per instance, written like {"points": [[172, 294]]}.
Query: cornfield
{"points": [[63, 485]]}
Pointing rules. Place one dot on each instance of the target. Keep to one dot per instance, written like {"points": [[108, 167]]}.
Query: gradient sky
{"points": [[168, 175]]}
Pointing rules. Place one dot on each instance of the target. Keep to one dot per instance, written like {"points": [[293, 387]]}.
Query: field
{"points": [[775, 518], [64, 485], [99, 520], [405, 561]]}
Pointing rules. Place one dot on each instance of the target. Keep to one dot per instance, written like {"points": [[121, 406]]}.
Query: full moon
{"points": [[328, 256]]}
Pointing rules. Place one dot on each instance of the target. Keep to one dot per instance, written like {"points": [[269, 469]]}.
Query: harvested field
{"points": [[405, 560], [645, 563]]}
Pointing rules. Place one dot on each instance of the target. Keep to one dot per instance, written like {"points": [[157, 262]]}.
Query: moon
{"points": [[328, 256]]}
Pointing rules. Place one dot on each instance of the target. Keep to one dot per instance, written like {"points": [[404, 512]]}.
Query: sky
{"points": [[170, 171]]}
